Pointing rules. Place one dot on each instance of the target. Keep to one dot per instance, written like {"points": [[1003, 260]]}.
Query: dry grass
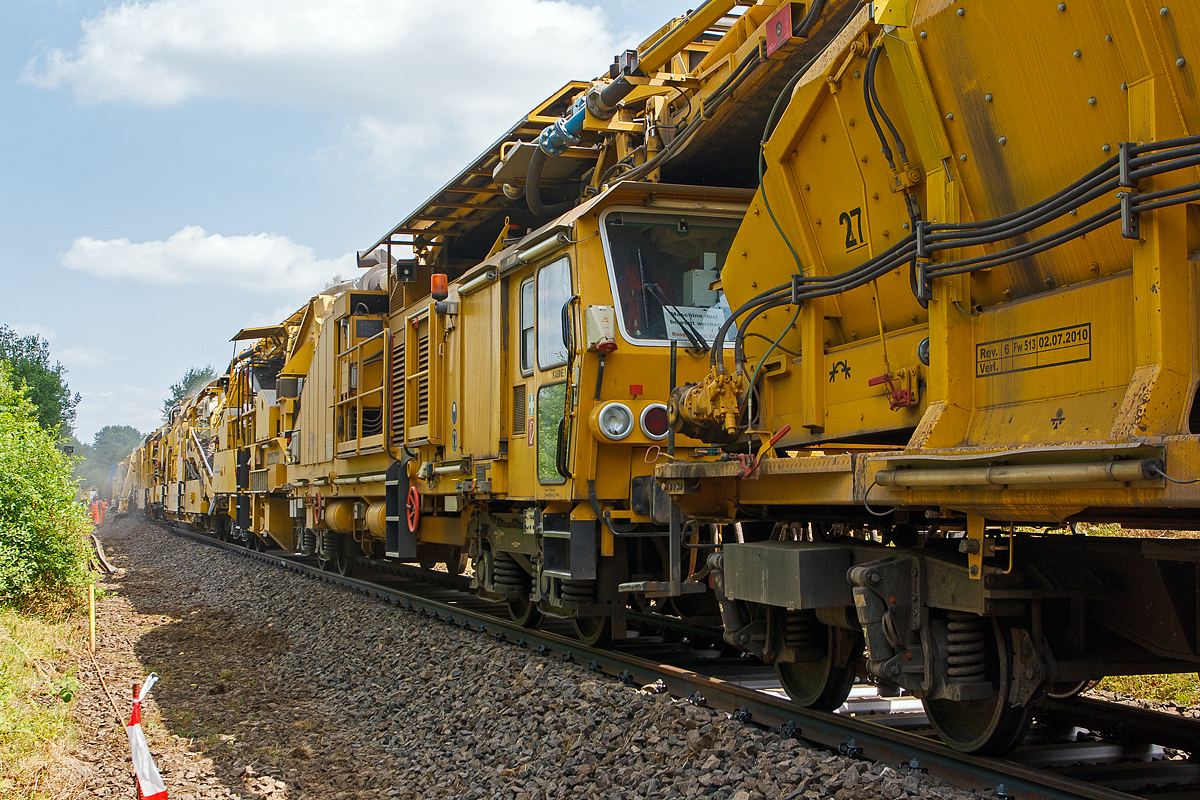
{"points": [[1182, 689], [35, 700]]}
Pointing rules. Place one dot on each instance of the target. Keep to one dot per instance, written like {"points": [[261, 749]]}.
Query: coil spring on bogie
{"points": [[507, 572], [966, 646], [802, 628], [308, 542], [579, 591]]}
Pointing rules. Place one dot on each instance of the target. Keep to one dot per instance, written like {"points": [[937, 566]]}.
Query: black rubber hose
{"points": [[533, 189], [1010, 231], [1145, 203], [1041, 204], [874, 100], [1069, 198], [739, 342], [732, 82], [1150, 147], [872, 59], [860, 278], [1164, 162], [1070, 195], [810, 19], [719, 340], [1080, 228]]}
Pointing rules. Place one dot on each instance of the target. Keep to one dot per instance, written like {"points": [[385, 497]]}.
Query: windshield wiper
{"points": [[689, 328]]}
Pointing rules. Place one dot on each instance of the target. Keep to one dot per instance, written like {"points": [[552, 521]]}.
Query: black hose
{"points": [[739, 354], [1033, 248], [718, 346], [874, 100], [868, 78], [603, 516], [970, 226], [732, 82], [533, 189], [810, 19]]}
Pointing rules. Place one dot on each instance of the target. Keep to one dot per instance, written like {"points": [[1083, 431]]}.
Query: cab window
{"points": [[662, 267], [551, 410], [528, 315], [553, 292]]}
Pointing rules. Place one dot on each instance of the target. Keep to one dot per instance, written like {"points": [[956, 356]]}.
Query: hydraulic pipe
{"points": [[1022, 475], [378, 478]]}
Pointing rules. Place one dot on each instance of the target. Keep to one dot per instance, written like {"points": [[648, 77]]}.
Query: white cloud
{"points": [[76, 357], [428, 84], [28, 328], [277, 314], [403, 54], [257, 261]]}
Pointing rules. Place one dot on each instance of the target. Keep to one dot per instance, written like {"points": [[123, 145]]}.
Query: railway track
{"points": [[1140, 754]]}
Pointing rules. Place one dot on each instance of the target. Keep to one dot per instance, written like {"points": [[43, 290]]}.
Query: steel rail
{"points": [[846, 735]]}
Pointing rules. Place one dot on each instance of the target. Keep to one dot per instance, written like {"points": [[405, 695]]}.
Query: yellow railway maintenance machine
{"points": [[966, 320], [526, 394]]}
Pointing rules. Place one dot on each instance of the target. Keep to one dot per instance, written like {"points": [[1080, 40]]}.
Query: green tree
{"points": [[93, 461], [43, 558], [193, 381], [113, 442], [28, 359]]}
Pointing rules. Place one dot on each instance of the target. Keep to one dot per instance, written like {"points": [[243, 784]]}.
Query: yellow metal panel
{"points": [[480, 399], [193, 497], [225, 471], [443, 530]]}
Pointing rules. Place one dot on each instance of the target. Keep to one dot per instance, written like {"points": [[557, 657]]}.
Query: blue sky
{"points": [[173, 170]]}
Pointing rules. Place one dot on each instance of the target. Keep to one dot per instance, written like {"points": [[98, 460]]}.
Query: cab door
{"points": [[553, 288]]}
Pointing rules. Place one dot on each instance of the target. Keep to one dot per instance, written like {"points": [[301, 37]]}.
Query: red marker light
{"points": [[635, 389], [438, 286], [655, 422]]}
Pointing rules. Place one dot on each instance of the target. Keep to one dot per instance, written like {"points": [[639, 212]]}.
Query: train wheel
{"points": [[346, 561], [593, 631], [524, 612], [823, 683], [990, 726], [323, 550], [458, 564]]}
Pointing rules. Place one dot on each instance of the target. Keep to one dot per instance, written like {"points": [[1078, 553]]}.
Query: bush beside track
{"points": [[43, 557]]}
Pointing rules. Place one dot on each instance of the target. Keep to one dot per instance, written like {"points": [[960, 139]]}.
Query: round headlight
{"points": [[654, 421], [616, 421]]}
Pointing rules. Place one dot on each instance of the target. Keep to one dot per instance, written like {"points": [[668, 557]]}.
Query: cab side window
{"points": [[553, 292], [528, 315]]}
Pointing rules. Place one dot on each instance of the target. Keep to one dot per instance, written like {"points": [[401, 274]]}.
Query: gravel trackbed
{"points": [[277, 686]]}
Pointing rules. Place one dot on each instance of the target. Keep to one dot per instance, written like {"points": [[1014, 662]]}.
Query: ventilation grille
{"points": [[258, 481], [423, 380], [396, 297], [398, 387], [518, 410]]}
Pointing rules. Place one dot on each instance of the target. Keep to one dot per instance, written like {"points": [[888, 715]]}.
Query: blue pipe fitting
{"points": [[568, 130]]}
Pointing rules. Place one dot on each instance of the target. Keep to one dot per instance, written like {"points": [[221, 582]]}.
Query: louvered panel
{"points": [[423, 400], [398, 388], [423, 381], [396, 297], [518, 410]]}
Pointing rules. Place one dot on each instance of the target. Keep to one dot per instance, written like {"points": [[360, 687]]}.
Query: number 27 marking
{"points": [[850, 219]]}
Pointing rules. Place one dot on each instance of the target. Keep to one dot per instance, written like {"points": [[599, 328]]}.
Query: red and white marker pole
{"points": [[149, 783]]}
